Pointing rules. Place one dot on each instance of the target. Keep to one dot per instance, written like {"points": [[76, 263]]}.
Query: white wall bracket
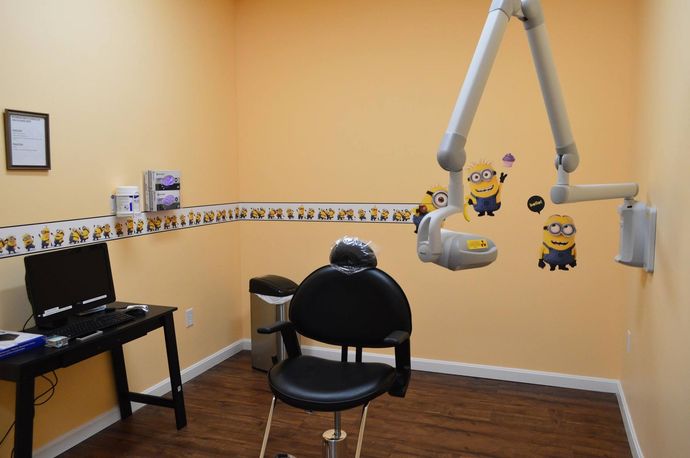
{"points": [[637, 235]]}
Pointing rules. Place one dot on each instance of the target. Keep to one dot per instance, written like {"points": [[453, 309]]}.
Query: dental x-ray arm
{"points": [[433, 242]]}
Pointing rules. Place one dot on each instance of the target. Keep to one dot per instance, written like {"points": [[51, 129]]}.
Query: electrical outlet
{"points": [[189, 317], [628, 340]]}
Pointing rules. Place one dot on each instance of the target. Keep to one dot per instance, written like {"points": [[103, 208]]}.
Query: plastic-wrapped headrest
{"points": [[351, 255]]}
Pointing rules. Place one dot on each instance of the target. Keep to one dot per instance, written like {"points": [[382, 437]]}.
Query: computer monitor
{"points": [[67, 282]]}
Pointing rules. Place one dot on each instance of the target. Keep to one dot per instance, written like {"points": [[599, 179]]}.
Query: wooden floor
{"points": [[441, 416]]}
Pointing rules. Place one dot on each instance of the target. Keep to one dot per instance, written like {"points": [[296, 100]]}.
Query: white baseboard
{"points": [[635, 448], [579, 382], [74, 437]]}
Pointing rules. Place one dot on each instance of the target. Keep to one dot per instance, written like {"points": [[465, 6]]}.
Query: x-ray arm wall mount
{"points": [[440, 246]]}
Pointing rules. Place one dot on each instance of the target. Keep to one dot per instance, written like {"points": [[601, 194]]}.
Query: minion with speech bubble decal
{"points": [[558, 247]]}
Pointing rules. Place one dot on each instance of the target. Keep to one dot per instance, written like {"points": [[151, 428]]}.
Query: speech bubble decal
{"points": [[535, 204]]}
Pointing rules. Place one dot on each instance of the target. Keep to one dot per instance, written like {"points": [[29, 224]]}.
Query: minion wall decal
{"points": [[73, 235], [11, 244], [402, 215], [435, 198], [84, 234], [485, 189], [97, 233], [106, 231], [45, 237], [558, 247], [326, 214], [28, 240], [59, 238]]}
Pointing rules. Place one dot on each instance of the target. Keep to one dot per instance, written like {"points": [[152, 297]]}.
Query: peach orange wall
{"points": [[656, 371], [348, 100], [129, 86]]}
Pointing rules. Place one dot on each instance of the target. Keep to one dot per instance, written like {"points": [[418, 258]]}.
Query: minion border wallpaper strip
{"points": [[26, 239]]}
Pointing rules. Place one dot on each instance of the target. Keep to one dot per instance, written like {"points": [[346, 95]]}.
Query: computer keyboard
{"points": [[89, 325]]}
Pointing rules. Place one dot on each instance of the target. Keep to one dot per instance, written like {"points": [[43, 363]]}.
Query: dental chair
{"points": [[349, 303]]}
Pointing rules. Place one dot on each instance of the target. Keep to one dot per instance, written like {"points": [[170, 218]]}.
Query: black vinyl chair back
{"points": [[357, 310], [363, 309]]}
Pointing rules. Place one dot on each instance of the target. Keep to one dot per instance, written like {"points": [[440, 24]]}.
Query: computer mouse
{"points": [[136, 310]]}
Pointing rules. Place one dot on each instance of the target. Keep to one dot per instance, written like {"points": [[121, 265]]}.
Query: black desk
{"points": [[24, 367]]}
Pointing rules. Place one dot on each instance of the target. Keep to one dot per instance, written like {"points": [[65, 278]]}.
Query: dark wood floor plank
{"points": [[442, 416]]}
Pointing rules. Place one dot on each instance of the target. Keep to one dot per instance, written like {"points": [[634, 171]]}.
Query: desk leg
{"points": [[120, 373], [174, 369], [24, 416]]}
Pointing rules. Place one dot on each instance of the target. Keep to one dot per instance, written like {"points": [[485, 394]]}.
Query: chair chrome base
{"points": [[334, 446]]}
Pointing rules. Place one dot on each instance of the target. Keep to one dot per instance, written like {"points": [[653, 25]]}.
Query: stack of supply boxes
{"points": [[162, 190]]}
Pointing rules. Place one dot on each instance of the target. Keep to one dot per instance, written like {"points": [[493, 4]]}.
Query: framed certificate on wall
{"points": [[27, 140]]}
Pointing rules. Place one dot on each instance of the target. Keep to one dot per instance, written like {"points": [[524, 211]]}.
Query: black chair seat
{"points": [[311, 383]]}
